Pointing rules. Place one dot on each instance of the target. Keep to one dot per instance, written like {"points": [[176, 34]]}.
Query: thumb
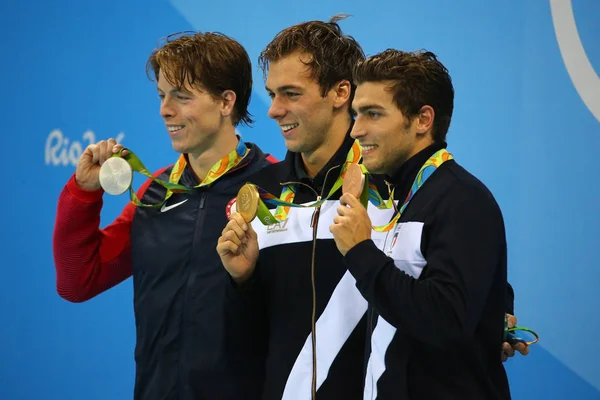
{"points": [[251, 233]]}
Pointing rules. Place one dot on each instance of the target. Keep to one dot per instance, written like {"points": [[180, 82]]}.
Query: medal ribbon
{"points": [[286, 199], [219, 169], [428, 168]]}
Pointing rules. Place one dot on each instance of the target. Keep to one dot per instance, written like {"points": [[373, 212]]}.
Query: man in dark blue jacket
{"points": [[183, 351]]}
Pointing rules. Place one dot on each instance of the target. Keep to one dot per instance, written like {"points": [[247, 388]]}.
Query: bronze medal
{"points": [[354, 181]]}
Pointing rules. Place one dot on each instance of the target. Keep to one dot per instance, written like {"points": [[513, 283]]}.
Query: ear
{"points": [[228, 97], [424, 120], [341, 93]]}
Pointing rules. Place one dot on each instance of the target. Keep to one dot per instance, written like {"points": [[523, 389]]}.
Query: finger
{"points": [[227, 247], [503, 356], [111, 143], [334, 229], [338, 219], [102, 151], [237, 217], [117, 147], [348, 199], [251, 233], [343, 210], [522, 348], [512, 320], [507, 349], [235, 227], [93, 148], [233, 237]]}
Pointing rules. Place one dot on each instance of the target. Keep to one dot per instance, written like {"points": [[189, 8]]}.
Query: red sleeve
{"points": [[272, 159], [90, 260]]}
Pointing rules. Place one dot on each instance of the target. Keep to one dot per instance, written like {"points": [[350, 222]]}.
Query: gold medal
{"points": [[354, 181], [247, 202]]}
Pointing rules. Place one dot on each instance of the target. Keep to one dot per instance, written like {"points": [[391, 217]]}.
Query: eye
{"points": [[161, 96], [292, 94], [373, 114], [271, 95], [182, 98]]}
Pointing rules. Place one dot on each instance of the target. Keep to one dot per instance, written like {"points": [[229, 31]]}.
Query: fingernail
{"points": [[245, 227]]}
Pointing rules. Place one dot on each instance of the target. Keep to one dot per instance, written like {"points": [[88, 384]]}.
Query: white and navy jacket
{"points": [[278, 302], [437, 291]]}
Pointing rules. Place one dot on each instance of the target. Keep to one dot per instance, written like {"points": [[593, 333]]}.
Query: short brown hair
{"points": [[211, 61], [418, 79], [332, 54]]}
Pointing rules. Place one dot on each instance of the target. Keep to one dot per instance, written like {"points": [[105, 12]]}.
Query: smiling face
{"points": [[192, 116], [388, 138], [304, 116]]}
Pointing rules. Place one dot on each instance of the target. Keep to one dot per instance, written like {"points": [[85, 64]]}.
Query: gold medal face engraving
{"points": [[247, 202]]}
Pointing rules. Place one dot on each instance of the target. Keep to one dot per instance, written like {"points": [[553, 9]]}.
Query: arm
{"points": [[465, 245], [246, 329], [510, 299], [89, 260]]}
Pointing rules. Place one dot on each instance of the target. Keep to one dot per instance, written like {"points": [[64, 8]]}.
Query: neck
{"points": [[421, 145], [202, 161], [418, 147], [314, 161]]}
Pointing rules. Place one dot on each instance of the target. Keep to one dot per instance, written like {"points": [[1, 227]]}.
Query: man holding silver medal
{"points": [[165, 237], [285, 264]]}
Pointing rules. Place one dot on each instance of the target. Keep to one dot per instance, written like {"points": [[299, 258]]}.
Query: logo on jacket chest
{"points": [[278, 227], [230, 208]]}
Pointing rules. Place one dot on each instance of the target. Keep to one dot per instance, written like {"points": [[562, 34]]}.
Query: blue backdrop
{"points": [[527, 121]]}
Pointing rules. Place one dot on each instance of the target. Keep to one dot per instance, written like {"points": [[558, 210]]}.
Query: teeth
{"points": [[174, 128], [287, 127], [369, 147]]}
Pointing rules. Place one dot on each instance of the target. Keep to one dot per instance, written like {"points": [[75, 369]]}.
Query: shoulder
{"points": [[464, 191]]}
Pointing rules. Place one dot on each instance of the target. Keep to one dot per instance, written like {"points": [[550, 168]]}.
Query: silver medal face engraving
{"points": [[116, 176]]}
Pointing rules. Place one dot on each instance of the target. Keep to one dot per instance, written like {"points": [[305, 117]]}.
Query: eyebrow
{"points": [[368, 107], [175, 91], [283, 88]]}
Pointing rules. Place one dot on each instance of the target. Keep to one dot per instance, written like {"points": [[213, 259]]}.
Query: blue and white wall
{"points": [[527, 121]]}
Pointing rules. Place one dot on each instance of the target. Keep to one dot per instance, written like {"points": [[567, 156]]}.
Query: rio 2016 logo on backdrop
{"points": [[62, 151]]}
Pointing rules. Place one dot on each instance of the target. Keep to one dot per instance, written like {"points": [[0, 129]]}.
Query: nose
{"points": [[166, 108], [276, 110], [358, 131]]}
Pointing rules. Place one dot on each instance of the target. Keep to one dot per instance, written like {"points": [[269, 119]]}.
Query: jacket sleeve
{"points": [[89, 260], [465, 245], [510, 299], [246, 330]]}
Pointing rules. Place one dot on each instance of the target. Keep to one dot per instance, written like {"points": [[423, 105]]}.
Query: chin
{"points": [[293, 146], [178, 147], [372, 167]]}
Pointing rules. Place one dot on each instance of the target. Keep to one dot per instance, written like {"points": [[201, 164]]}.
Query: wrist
{"points": [[241, 279]]}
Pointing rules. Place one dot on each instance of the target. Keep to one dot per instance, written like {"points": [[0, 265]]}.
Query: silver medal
{"points": [[116, 176]]}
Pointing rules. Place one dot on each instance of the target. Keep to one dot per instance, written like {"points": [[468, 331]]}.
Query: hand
{"points": [[508, 350], [238, 248], [352, 225], [87, 174]]}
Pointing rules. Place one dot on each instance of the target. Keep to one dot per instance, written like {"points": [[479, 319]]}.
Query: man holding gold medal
{"points": [[166, 236], [278, 247]]}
